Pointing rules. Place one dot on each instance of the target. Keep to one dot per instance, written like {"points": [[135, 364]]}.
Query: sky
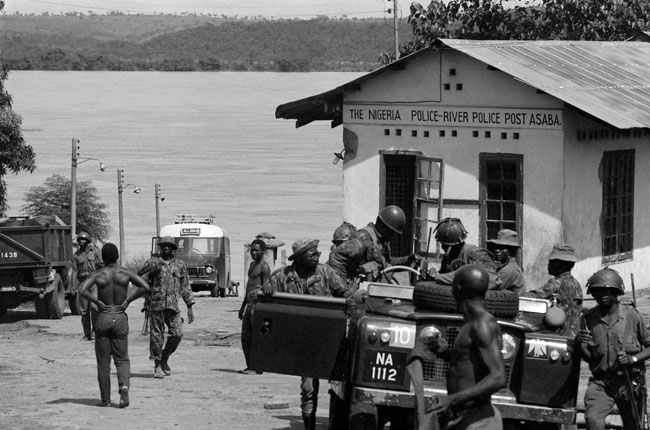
{"points": [[268, 8]]}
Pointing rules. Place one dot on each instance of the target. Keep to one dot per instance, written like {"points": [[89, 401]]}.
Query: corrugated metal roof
{"points": [[608, 80]]}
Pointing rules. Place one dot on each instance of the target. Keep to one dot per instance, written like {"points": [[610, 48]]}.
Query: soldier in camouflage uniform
{"points": [[307, 276], [168, 278], [562, 287], [86, 260]]}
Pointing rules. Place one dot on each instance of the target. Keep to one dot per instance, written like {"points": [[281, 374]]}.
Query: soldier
{"points": [[562, 287], [614, 341], [509, 273], [86, 260], [169, 281], [367, 252], [451, 234], [307, 276], [342, 233]]}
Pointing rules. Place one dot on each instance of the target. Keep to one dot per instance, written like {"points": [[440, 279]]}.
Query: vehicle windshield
{"points": [[199, 246]]}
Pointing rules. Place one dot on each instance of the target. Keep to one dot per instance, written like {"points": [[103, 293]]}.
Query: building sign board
{"points": [[441, 116]]}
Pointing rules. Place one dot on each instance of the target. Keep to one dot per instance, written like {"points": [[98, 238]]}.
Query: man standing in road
{"points": [[112, 326], [615, 342], [476, 369], [562, 287], [86, 260], [307, 276], [367, 252], [259, 274], [509, 273], [169, 280]]}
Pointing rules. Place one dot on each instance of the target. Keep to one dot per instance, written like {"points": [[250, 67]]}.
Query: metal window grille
{"points": [[618, 205]]}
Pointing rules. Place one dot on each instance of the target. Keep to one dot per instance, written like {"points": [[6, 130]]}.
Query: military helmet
{"points": [[471, 280], [393, 217], [343, 232], [450, 231], [83, 236], [606, 278]]}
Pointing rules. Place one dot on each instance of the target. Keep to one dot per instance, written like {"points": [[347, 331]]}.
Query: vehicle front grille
{"points": [[435, 371], [196, 272]]}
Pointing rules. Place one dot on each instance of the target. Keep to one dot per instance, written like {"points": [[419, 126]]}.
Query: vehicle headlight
{"points": [[509, 347], [209, 269]]}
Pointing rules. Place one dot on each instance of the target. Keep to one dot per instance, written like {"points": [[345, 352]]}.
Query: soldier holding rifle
{"points": [[614, 341]]}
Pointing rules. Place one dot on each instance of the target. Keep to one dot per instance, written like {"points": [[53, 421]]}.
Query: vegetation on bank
{"points": [[193, 43]]}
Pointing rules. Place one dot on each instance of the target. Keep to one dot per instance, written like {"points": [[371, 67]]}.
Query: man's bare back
{"points": [[112, 284]]}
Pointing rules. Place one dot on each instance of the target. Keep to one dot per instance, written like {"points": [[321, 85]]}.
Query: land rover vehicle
{"points": [[365, 351], [36, 265], [205, 249]]}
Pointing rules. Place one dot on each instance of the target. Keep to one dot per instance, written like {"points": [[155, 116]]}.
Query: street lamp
{"points": [[76, 160], [158, 197], [121, 186]]}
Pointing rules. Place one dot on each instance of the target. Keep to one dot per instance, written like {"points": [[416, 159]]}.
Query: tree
{"points": [[15, 155], [543, 20], [53, 198]]}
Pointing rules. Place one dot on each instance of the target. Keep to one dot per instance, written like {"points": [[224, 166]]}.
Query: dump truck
{"points": [[364, 352], [36, 265]]}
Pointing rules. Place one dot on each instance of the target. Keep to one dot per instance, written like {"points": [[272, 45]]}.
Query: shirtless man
{"points": [[112, 328], [476, 365], [259, 273]]}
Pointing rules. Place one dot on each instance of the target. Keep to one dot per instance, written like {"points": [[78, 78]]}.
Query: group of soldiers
{"points": [[613, 338]]}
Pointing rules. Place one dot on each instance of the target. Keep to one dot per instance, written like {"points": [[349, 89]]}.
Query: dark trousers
{"points": [[246, 335], [112, 340], [308, 396], [602, 394], [157, 322], [88, 313]]}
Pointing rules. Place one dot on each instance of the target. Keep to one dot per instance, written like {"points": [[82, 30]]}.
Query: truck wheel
{"points": [[339, 413], [55, 299], [3, 311], [436, 297], [75, 306]]}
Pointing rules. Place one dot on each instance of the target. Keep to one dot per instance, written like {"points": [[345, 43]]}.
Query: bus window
{"points": [[182, 246], [205, 246]]}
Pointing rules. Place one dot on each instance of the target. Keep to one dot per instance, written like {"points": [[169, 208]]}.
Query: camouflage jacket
{"points": [[569, 298], [86, 261], [469, 254], [512, 277], [323, 281], [169, 281]]}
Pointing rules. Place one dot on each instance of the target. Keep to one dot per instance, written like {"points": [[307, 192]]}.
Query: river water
{"points": [[211, 140]]}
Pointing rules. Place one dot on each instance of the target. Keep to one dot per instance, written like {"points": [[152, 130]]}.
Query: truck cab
{"points": [[205, 249], [363, 351]]}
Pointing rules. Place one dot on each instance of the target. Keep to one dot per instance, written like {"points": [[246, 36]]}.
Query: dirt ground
{"points": [[48, 377]]}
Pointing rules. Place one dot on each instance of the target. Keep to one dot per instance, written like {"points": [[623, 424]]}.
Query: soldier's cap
{"points": [[562, 252], [507, 238], [168, 240], [302, 246]]}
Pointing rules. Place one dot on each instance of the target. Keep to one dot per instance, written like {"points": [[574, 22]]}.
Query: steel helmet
{"points": [[83, 236], [450, 231], [606, 278], [393, 217], [471, 280], [343, 232]]}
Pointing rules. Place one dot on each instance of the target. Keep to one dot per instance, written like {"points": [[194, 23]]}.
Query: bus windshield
{"points": [[199, 246]]}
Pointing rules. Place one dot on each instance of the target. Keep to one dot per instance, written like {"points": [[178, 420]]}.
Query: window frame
{"points": [[617, 166]]}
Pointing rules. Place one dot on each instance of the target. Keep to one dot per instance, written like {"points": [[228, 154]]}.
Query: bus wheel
{"points": [[214, 292]]}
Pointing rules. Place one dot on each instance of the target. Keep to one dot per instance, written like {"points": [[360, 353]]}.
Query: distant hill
{"points": [[188, 42]]}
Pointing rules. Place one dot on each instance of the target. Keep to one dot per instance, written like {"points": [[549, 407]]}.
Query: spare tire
{"points": [[436, 297]]}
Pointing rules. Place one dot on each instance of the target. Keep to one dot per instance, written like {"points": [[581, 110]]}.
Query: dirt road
{"points": [[48, 377]]}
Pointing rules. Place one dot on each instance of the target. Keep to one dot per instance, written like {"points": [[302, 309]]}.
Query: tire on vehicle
{"points": [[339, 413], [437, 297], [42, 312], [55, 299], [214, 292]]}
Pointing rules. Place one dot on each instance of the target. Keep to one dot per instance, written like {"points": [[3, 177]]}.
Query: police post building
{"points": [[547, 138]]}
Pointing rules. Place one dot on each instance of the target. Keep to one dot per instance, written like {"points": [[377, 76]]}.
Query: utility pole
{"points": [[395, 28], [73, 183], [120, 188], [158, 198]]}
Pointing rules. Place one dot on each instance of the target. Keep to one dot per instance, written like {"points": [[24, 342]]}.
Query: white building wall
{"points": [[583, 198], [420, 84]]}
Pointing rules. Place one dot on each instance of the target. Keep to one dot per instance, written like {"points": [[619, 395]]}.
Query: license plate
{"points": [[7, 289], [384, 367]]}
